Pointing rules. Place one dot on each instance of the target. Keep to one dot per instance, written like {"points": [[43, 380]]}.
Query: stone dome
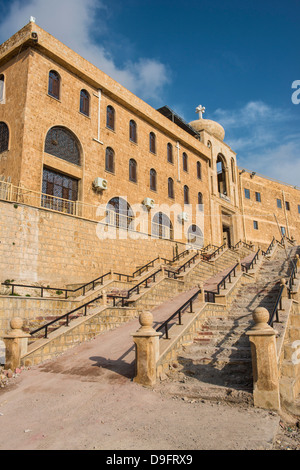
{"points": [[212, 127]]}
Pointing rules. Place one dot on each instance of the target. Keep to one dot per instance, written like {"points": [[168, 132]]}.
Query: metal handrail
{"points": [[264, 253], [66, 315], [215, 253], [213, 294], [246, 267], [278, 306], [179, 312]]}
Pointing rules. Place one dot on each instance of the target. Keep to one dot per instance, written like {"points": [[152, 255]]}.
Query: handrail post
{"points": [[16, 344], [146, 341], [264, 362]]}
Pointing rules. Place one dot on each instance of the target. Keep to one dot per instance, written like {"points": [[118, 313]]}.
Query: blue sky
{"points": [[237, 58]]}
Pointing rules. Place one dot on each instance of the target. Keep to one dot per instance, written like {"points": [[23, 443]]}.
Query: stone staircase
{"points": [[217, 365]]}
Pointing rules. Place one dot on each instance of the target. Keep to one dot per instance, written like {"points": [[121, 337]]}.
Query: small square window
{"points": [[279, 205], [247, 193], [255, 224], [258, 197]]}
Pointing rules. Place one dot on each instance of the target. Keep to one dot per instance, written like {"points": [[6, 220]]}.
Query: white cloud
{"points": [[73, 22], [265, 139]]}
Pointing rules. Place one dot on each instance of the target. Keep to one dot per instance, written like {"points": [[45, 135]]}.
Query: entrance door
{"points": [[227, 235]]}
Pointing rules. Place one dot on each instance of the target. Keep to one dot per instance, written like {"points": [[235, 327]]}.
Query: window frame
{"points": [[247, 193], [186, 194], [133, 131], [185, 162], [52, 83], [152, 142], [133, 178], [255, 224], [171, 191], [5, 137], [110, 158], [170, 155], [110, 117], [199, 170], [84, 106], [257, 196], [153, 179]]}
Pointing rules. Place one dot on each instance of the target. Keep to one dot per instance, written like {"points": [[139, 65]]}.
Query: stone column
{"points": [[264, 362], [16, 343], [146, 340]]}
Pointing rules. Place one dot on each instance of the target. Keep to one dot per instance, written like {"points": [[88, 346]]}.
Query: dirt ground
{"points": [[80, 401]]}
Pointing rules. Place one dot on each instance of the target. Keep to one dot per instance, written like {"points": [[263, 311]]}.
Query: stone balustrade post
{"points": [[285, 294], [146, 340], [16, 344], [201, 295], [264, 362]]}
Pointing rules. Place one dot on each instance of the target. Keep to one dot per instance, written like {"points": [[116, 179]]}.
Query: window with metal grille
{"points": [[85, 102], [171, 188], [153, 179], [161, 226], [60, 192], [132, 170], [110, 160], [63, 144], [185, 161], [170, 152], [133, 131], [4, 137], [110, 117], [54, 84], [152, 142], [119, 213]]}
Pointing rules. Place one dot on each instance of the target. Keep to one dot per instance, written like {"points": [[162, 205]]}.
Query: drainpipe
{"points": [[99, 111]]}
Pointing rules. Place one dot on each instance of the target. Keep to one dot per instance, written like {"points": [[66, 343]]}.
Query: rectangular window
{"points": [[279, 205], [298, 209], [282, 231], [255, 224], [257, 197], [247, 193], [287, 205]]}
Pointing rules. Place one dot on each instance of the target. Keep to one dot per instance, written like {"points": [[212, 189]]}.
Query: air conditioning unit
{"points": [[149, 203], [183, 217], [100, 183]]}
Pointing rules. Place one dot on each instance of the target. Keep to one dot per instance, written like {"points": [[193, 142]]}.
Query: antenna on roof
{"points": [[32, 19]]}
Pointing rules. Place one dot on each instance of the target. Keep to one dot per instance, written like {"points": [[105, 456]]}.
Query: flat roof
{"points": [[170, 114]]}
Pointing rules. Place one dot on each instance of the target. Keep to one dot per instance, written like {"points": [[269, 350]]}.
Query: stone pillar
{"points": [[146, 340], [16, 343], [201, 296], [264, 362], [285, 294]]}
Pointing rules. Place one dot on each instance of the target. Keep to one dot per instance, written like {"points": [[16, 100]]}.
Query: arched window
{"points": [[200, 200], [152, 142], [119, 213], [170, 152], [2, 89], [63, 144], [110, 160], [199, 171], [221, 174], [153, 179], [185, 161], [54, 84], [110, 117], [133, 131], [232, 170], [186, 193], [85, 102], [195, 236], [171, 188], [4, 137], [132, 170], [162, 226]]}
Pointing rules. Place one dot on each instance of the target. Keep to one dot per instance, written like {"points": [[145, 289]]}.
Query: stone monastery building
{"points": [[112, 210], [77, 148]]}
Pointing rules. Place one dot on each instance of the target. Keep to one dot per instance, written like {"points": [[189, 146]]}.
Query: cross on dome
{"points": [[200, 110]]}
